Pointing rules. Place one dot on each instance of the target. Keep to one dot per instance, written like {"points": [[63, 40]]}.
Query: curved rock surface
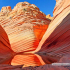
{"points": [[25, 25], [5, 49], [56, 40]]}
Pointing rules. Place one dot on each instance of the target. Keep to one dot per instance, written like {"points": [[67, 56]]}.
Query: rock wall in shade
{"points": [[5, 49], [56, 40]]}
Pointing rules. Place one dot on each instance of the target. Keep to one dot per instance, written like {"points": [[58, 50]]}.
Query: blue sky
{"points": [[46, 6]]}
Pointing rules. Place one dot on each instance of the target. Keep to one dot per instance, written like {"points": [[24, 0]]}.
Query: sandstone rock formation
{"points": [[65, 59], [25, 25], [47, 67], [27, 60], [56, 40], [10, 67], [44, 67], [5, 49], [49, 17]]}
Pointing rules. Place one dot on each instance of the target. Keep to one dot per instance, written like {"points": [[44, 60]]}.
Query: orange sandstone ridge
{"points": [[55, 41], [25, 25], [49, 17]]}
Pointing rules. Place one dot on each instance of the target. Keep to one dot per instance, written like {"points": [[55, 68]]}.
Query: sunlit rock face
{"points": [[56, 40], [61, 5], [6, 9], [25, 32], [49, 17], [5, 49], [25, 25], [27, 60]]}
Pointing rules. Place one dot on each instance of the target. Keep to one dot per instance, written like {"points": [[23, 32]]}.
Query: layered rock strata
{"points": [[56, 40], [5, 49], [29, 59], [44, 67], [25, 25], [49, 17]]}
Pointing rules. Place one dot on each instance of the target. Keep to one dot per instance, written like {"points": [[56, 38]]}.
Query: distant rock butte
{"points": [[49, 17], [25, 25]]}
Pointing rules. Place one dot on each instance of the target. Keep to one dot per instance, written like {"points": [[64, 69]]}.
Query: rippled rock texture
{"points": [[5, 49], [25, 25], [56, 40]]}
